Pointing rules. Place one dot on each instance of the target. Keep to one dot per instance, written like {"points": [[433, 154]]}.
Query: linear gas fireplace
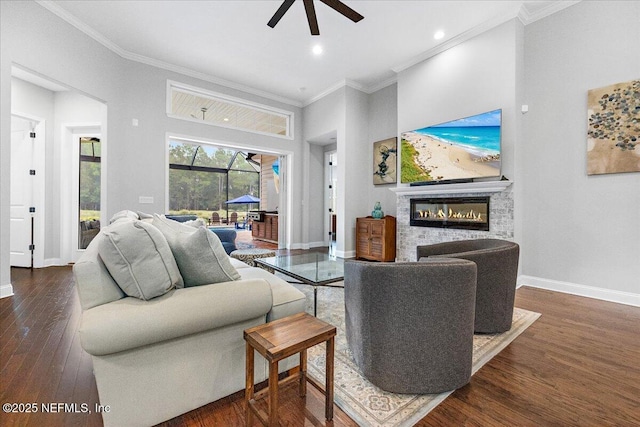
{"points": [[468, 213]]}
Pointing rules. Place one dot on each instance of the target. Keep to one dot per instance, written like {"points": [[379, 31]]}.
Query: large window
{"points": [[194, 104], [202, 178]]}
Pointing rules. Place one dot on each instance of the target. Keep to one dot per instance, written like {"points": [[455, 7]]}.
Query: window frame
{"points": [[197, 91]]}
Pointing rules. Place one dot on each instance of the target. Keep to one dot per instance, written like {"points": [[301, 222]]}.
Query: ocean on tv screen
{"points": [[465, 148]]}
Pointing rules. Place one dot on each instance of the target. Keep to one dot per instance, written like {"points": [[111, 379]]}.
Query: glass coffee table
{"points": [[314, 269]]}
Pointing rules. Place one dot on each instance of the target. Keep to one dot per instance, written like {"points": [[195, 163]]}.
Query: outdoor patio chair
{"points": [[215, 218]]}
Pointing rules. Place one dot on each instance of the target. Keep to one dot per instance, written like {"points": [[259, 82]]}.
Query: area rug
{"points": [[365, 403]]}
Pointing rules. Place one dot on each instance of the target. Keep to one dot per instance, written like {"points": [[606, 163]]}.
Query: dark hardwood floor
{"points": [[578, 365]]}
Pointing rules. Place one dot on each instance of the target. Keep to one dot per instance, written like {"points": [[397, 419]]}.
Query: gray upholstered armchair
{"points": [[410, 325], [497, 262]]}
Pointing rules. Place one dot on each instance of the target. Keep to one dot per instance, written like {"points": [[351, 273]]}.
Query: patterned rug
{"points": [[244, 245], [365, 403]]}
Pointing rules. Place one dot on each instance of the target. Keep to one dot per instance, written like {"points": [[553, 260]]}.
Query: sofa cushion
{"points": [[199, 254], [130, 323], [139, 259], [237, 264], [287, 300], [198, 222]]}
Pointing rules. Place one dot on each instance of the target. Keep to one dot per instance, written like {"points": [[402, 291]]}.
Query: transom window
{"points": [[194, 104]]}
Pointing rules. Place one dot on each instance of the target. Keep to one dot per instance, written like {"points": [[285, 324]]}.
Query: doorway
{"points": [[27, 191], [331, 197], [203, 176]]}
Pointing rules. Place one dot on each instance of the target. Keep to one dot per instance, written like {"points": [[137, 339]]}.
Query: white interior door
{"points": [[21, 231]]}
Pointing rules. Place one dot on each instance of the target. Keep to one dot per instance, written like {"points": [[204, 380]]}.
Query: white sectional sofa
{"points": [[158, 358]]}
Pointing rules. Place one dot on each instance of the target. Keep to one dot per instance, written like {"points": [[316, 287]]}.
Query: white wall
{"points": [[383, 124], [323, 117], [5, 158], [579, 230], [37, 40], [71, 109], [317, 189], [549, 65], [355, 165], [476, 76]]}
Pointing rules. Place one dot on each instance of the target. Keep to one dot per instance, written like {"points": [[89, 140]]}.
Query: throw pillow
{"points": [[123, 215], [195, 223], [139, 259], [199, 253], [145, 216]]}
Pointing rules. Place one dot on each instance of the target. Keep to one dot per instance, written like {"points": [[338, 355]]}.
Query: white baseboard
{"points": [[346, 254], [310, 245], [53, 262], [6, 290], [307, 246], [619, 297]]}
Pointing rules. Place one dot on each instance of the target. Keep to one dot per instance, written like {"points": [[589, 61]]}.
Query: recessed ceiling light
{"points": [[317, 50], [438, 35], [226, 119]]}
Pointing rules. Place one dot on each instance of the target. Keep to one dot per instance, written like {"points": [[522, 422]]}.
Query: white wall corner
{"points": [[619, 297], [6, 290]]}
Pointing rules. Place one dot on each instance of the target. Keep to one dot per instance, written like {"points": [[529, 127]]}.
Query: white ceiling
{"points": [[229, 42]]}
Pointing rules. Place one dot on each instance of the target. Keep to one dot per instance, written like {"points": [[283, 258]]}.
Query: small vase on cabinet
{"points": [[377, 211]]}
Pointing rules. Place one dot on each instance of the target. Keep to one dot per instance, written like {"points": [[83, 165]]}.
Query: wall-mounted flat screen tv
{"points": [[458, 150]]}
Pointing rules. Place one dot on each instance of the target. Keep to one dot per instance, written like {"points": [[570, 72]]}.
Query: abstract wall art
{"points": [[613, 132], [385, 161]]}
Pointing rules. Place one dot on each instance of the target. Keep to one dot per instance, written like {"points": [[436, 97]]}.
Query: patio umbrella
{"points": [[247, 199]]}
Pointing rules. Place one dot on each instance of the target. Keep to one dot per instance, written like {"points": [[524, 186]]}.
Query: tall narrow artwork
{"points": [[613, 131], [385, 161]]}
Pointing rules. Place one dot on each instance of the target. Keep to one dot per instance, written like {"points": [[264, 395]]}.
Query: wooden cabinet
{"points": [[376, 238], [267, 229]]}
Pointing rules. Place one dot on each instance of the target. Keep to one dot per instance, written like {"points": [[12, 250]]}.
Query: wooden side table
{"points": [[278, 340]]}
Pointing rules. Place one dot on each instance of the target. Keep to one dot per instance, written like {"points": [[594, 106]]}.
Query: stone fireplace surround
{"points": [[501, 220]]}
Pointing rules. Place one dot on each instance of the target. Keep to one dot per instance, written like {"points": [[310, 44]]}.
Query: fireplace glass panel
{"points": [[470, 213]]}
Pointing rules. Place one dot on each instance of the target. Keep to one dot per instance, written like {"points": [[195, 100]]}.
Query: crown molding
{"points": [[327, 91], [381, 85], [454, 41], [524, 15], [352, 84], [527, 17], [81, 26]]}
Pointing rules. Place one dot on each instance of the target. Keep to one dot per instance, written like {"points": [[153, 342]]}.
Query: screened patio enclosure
{"points": [[203, 177]]}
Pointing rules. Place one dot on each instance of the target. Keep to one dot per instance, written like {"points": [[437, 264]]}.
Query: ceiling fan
{"points": [[336, 5]]}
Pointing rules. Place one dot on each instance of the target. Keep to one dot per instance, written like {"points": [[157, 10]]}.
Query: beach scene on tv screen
{"points": [[460, 149]]}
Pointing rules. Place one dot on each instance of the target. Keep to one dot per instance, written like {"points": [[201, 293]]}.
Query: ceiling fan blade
{"points": [[338, 6], [311, 17], [286, 4]]}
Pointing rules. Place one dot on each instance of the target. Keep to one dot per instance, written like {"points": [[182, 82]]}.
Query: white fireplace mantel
{"points": [[458, 188]]}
